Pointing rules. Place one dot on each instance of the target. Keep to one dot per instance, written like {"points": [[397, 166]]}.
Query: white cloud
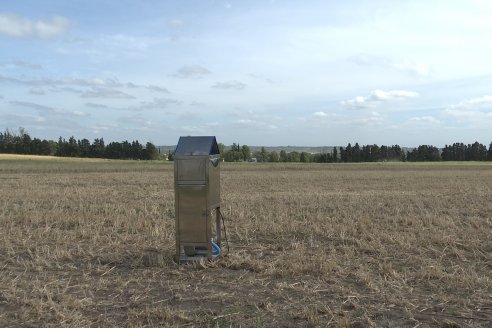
{"points": [[52, 29], [192, 71], [65, 89], [197, 104], [136, 119], [477, 118], [99, 128], [261, 78], [156, 103], [188, 116], [80, 113], [477, 111], [320, 114], [408, 66], [202, 129], [24, 64], [377, 96], [245, 122], [20, 119], [358, 102], [412, 67], [53, 117], [81, 82], [380, 95], [4, 78], [254, 124], [176, 23], [96, 92], [108, 43], [230, 85], [32, 105], [373, 119], [15, 26], [19, 27], [425, 119], [321, 118], [36, 91], [94, 105], [157, 89], [95, 82], [484, 102]]}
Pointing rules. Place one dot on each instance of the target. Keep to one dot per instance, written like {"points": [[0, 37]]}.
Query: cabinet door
{"points": [[191, 170], [192, 213]]}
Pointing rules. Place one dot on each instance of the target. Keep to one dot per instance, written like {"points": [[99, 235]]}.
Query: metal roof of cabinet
{"points": [[197, 146]]}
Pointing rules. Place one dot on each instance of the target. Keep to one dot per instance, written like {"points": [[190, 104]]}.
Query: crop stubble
{"points": [[91, 243]]}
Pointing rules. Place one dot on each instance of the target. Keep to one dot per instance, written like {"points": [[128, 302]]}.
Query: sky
{"points": [[271, 73]]}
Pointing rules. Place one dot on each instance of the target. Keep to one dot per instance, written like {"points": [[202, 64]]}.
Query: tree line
{"points": [[365, 153], [21, 143]]}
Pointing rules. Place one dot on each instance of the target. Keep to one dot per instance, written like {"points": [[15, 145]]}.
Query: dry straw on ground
{"points": [[91, 244]]}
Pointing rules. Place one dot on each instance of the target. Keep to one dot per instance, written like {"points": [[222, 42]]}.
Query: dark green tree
{"points": [[72, 147], [221, 151], [273, 157], [233, 156], [424, 153], [61, 148], [150, 152], [114, 150], [343, 154], [128, 151], [305, 157], [170, 155], [262, 155], [25, 142], [283, 156], [246, 152], [136, 150], [348, 153], [294, 157], [84, 147], [356, 153], [403, 156], [98, 148]]}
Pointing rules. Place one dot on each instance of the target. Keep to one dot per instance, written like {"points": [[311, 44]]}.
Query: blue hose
{"points": [[216, 248]]}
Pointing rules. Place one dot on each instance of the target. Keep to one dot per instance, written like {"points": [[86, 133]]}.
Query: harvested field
{"points": [[90, 243]]}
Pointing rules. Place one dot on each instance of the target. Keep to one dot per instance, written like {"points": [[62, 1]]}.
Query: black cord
{"points": [[225, 231]]}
